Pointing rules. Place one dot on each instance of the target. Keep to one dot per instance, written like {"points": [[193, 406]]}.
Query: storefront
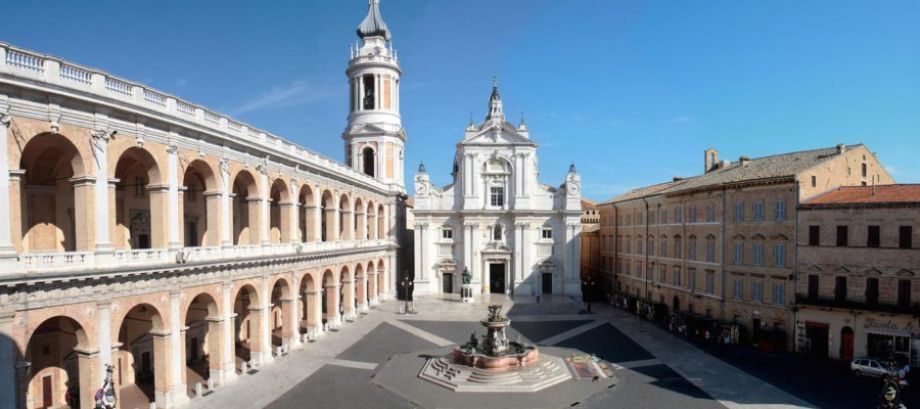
{"points": [[845, 335]]}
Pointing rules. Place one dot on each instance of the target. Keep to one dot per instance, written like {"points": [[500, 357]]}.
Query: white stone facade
{"points": [[514, 234]]}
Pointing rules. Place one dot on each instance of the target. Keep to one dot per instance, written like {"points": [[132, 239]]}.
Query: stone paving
{"points": [[656, 369]]}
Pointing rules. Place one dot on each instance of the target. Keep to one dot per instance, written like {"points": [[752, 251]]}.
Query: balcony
{"points": [[63, 262], [859, 303]]}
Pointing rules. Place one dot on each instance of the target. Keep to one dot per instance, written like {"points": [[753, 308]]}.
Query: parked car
{"points": [[869, 367]]}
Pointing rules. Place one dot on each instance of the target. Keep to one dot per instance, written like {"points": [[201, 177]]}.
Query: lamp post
{"points": [[408, 286]]}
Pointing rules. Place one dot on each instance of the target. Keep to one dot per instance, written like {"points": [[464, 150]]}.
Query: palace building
{"points": [[177, 244], [716, 252], [514, 234]]}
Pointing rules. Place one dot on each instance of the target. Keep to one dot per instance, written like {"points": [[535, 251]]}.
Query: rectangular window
{"points": [[905, 237], [691, 278], [843, 236], [872, 291], [778, 294], [779, 255], [691, 249], [814, 235], [758, 211], [710, 250], [691, 214], [903, 293], [711, 213], [840, 289], [677, 276], [865, 170], [447, 233], [663, 273], [664, 216], [497, 196], [739, 212], [547, 234], [678, 215], [663, 248], [739, 254], [813, 286], [678, 253], [779, 212], [738, 289], [874, 236], [758, 254], [814, 181], [638, 269], [757, 291], [710, 282]]}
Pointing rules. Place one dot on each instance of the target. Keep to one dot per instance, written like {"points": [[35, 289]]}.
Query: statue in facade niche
{"points": [[467, 277]]}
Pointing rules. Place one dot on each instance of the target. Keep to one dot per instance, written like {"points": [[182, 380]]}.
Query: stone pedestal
{"points": [[466, 293]]}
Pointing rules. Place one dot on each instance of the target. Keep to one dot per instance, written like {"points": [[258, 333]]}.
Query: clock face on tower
{"points": [[573, 187], [421, 188]]}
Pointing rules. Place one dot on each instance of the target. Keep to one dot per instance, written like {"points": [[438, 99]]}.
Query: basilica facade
{"points": [[514, 234], [177, 246]]}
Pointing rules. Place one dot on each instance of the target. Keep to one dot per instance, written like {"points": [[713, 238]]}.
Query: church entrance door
{"points": [[447, 283], [496, 278]]}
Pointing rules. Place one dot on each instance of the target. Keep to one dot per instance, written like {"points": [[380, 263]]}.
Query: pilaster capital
{"points": [[225, 166], [522, 225], [172, 149], [421, 226], [5, 119]]}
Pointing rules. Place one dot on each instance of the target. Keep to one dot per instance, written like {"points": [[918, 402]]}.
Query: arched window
{"points": [[367, 158], [497, 232]]}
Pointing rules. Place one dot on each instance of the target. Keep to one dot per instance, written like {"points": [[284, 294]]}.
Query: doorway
{"points": [[47, 400], [447, 283], [547, 283], [496, 278], [816, 335], [846, 344]]}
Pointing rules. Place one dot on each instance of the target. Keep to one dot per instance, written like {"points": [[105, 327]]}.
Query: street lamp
{"points": [[407, 285], [588, 290]]}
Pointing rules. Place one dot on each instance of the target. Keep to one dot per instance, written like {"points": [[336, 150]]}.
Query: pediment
{"points": [[873, 271], [503, 134], [905, 273], [843, 270], [367, 129], [813, 267], [496, 247]]}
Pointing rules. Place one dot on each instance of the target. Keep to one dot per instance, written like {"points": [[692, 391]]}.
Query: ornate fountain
{"points": [[495, 351], [494, 363]]}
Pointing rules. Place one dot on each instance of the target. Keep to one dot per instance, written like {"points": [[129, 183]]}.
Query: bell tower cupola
{"points": [[374, 138]]}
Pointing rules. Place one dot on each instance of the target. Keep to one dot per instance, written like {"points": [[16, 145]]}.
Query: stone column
{"points": [[7, 358], [476, 268], [468, 246], [228, 356], [100, 143], [346, 229], [265, 323], [518, 254], [159, 203], [287, 211], [421, 273], [295, 235], [390, 289], [348, 298], [172, 180], [226, 217], [332, 305], [104, 334], [317, 220], [264, 217], [290, 329], [467, 175], [362, 224], [6, 233], [177, 389]]}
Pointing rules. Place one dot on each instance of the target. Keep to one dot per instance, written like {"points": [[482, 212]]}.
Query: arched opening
{"points": [[247, 340], [372, 282], [309, 310], [346, 293], [328, 211], [52, 205], [358, 222], [202, 340], [245, 209], [368, 161], [846, 344], [200, 206], [307, 214], [279, 218], [330, 298], [381, 222], [371, 221], [140, 201], [345, 218], [141, 359], [381, 278], [282, 305], [59, 374], [360, 288]]}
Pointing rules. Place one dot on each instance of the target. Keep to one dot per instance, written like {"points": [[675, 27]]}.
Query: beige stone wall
{"points": [[844, 169]]}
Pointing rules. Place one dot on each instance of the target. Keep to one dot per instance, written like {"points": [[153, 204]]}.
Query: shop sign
{"points": [[872, 323]]}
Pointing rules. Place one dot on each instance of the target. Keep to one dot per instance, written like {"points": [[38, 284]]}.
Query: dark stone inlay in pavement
{"points": [[537, 331], [383, 342], [333, 387], [667, 378], [609, 344]]}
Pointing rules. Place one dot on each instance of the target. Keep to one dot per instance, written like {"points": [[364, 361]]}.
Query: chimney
{"points": [[677, 178], [743, 160], [841, 148], [710, 160]]}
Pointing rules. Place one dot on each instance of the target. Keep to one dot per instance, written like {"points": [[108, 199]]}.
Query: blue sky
{"points": [[631, 91]]}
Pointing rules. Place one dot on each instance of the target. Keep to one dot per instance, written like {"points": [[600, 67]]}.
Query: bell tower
{"points": [[374, 138]]}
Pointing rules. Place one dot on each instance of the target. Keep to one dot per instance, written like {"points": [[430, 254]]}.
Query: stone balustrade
{"points": [[59, 262]]}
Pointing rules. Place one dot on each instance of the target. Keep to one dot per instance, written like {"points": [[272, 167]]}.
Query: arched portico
{"points": [[140, 202], [245, 210], [372, 283], [331, 299], [360, 288], [60, 357], [311, 316], [199, 214], [308, 214], [142, 362], [203, 340]]}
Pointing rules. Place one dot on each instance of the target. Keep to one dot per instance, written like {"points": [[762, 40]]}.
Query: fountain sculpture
{"points": [[495, 351]]}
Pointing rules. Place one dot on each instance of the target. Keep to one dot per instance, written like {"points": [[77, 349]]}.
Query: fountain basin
{"points": [[507, 361]]}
